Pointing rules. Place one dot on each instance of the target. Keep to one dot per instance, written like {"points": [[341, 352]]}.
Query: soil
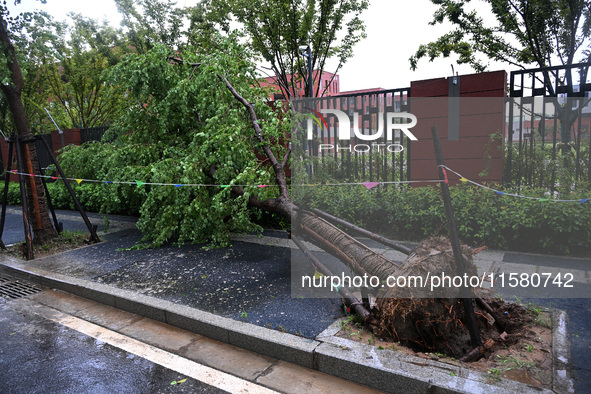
{"points": [[431, 322], [65, 241], [524, 355]]}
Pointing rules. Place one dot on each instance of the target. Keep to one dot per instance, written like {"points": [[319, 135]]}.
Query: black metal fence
{"points": [[86, 135], [43, 155], [355, 159], [548, 128], [92, 133]]}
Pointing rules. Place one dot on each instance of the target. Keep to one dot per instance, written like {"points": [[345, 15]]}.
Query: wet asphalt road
{"points": [[248, 282], [579, 333], [71, 220], [40, 356]]}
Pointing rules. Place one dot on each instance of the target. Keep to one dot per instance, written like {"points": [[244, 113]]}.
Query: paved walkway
{"points": [[251, 282], [103, 349]]}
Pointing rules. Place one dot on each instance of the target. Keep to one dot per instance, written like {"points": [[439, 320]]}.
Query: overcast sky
{"points": [[395, 29]]}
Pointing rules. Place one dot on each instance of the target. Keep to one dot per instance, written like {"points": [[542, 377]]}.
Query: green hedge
{"points": [[94, 197], [483, 217]]}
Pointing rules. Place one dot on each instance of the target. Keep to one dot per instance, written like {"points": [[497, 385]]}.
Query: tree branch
{"points": [[279, 171], [181, 61], [286, 157]]}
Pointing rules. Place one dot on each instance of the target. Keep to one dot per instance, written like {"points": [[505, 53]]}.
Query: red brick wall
{"points": [[71, 136], [481, 114]]}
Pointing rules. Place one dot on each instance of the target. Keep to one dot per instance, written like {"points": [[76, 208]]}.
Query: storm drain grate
{"points": [[13, 289]]}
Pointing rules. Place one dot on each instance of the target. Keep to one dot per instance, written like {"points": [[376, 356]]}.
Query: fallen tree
{"points": [[198, 120], [431, 320]]}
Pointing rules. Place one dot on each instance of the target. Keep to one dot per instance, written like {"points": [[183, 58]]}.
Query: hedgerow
{"points": [[484, 218], [407, 213]]}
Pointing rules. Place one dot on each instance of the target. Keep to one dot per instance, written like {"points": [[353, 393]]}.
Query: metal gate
{"points": [[548, 132], [358, 160]]}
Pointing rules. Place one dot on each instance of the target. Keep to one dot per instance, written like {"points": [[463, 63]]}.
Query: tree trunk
{"points": [[358, 257], [38, 210]]}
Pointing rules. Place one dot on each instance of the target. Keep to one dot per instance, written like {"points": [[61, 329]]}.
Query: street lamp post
{"points": [[306, 51]]}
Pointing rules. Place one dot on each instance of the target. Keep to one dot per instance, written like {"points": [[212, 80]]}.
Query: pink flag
{"points": [[370, 185]]}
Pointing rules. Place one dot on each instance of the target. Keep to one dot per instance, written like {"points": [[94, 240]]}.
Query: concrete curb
{"points": [[563, 382], [269, 342], [384, 370]]}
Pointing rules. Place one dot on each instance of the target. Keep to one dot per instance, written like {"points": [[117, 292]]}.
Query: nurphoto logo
{"points": [[386, 126]]}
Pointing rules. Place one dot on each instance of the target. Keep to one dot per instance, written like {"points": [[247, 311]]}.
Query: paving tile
{"points": [[228, 358], [290, 378], [159, 334], [107, 316], [65, 302]]}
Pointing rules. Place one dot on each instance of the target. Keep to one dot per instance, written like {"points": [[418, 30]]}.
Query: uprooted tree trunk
{"points": [[358, 257], [425, 323]]}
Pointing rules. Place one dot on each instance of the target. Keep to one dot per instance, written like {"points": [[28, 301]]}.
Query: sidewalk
{"points": [[242, 295]]}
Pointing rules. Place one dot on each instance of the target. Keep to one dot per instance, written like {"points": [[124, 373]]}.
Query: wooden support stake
{"points": [[350, 299], [5, 194], [58, 226], [28, 252], [33, 186], [93, 235], [465, 292]]}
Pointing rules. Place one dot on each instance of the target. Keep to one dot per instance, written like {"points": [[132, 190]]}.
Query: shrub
{"points": [[482, 216]]}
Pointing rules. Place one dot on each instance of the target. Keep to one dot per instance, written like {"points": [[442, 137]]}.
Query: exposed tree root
{"points": [[430, 320]]}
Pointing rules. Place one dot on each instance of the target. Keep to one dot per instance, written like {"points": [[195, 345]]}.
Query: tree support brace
{"points": [[454, 237], [17, 141]]}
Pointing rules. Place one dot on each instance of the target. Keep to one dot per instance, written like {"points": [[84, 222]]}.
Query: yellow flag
{"points": [[463, 180], [317, 275], [79, 180]]}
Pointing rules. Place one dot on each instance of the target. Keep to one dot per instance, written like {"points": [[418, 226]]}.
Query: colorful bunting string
{"points": [[500, 193], [444, 173], [368, 185], [135, 182]]}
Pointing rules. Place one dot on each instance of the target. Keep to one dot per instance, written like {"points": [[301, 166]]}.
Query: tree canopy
{"points": [[276, 29], [148, 23], [73, 74], [525, 33], [31, 34], [62, 65], [180, 125]]}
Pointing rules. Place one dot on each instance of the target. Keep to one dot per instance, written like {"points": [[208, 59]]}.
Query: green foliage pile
{"points": [[483, 217], [179, 124]]}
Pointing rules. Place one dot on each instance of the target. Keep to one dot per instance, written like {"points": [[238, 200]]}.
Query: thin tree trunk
{"points": [[39, 213]]}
